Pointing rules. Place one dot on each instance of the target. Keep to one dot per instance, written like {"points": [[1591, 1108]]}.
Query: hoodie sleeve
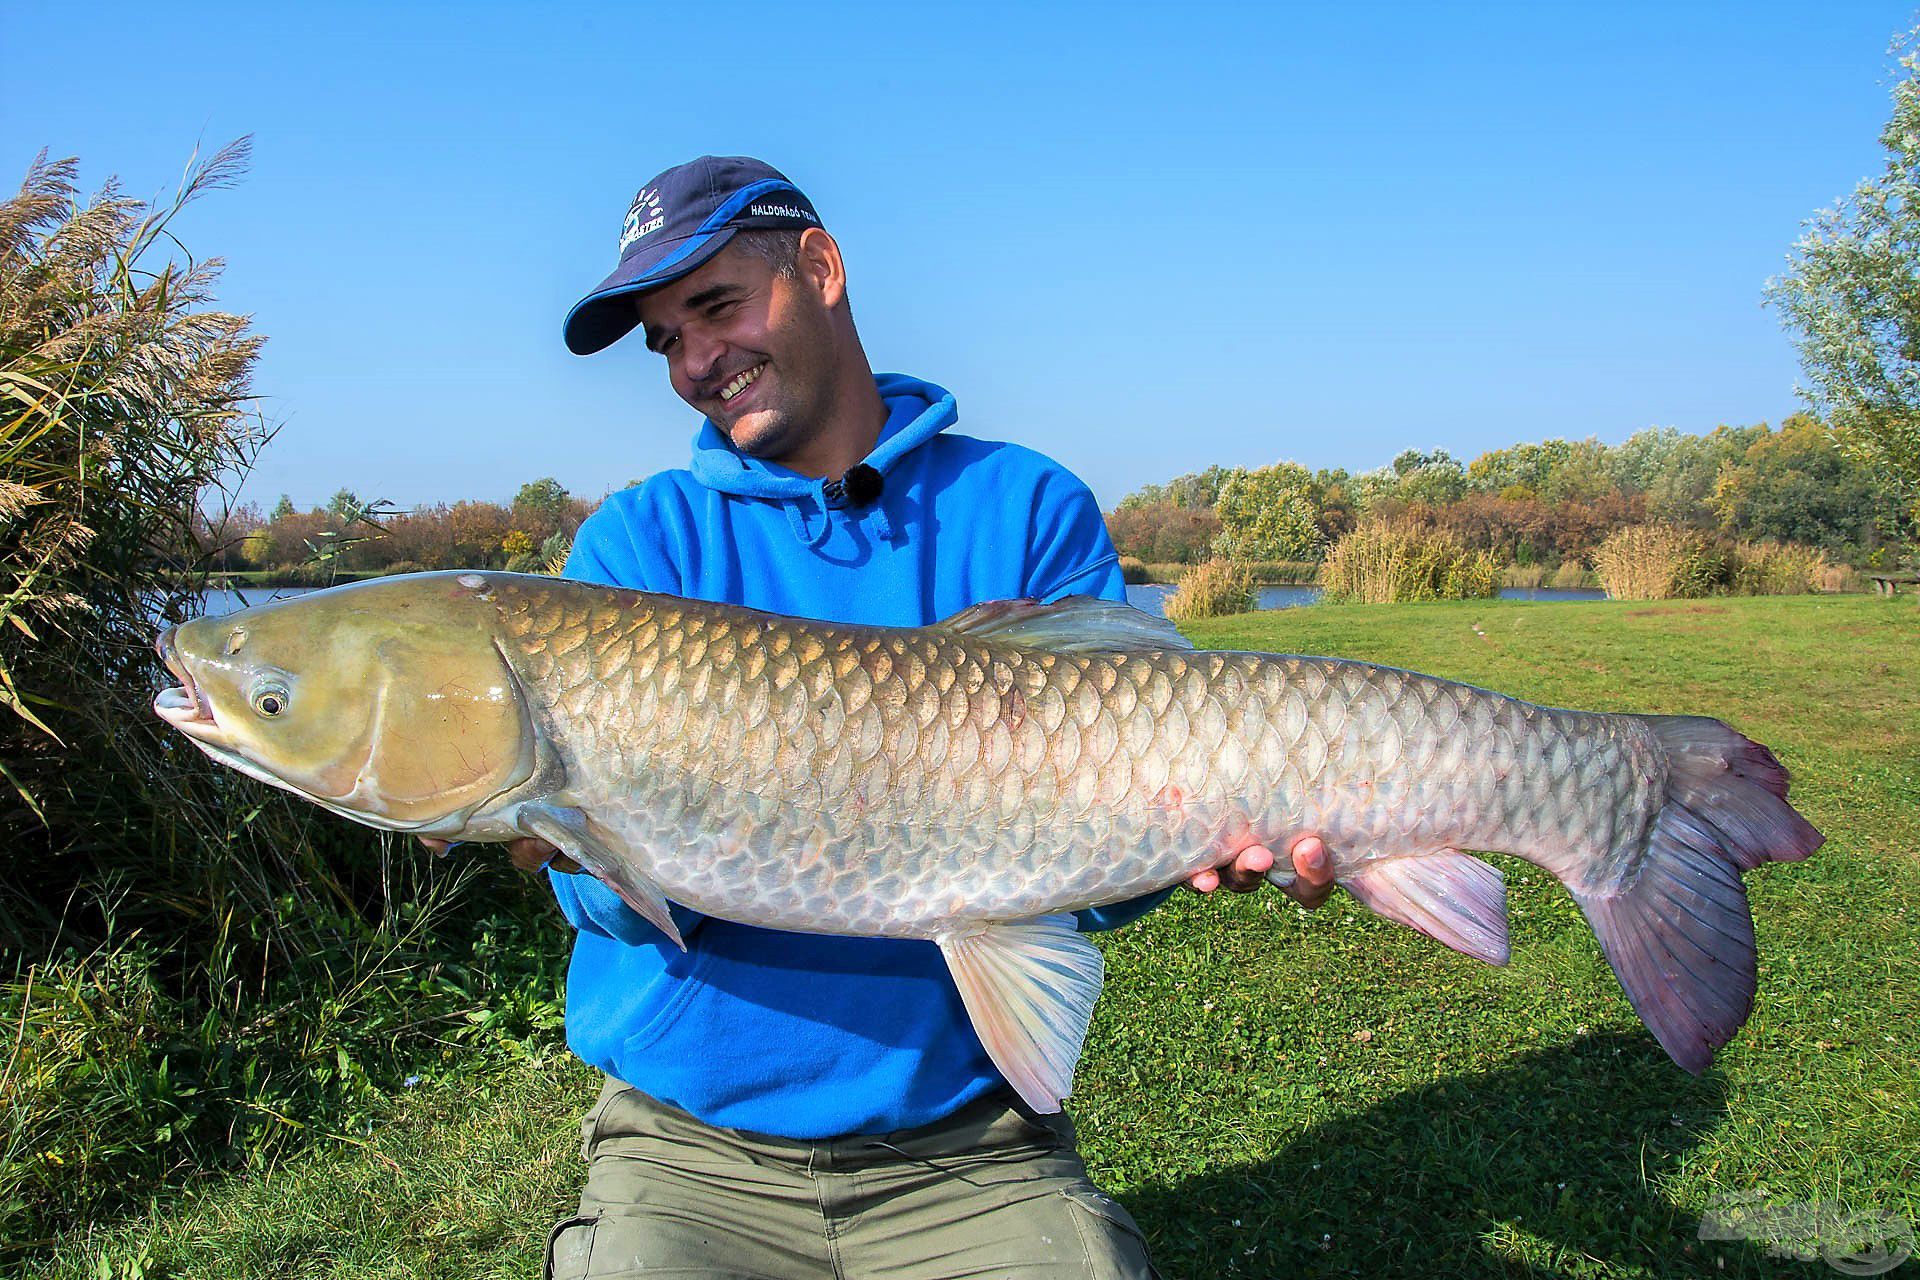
{"points": [[619, 545], [1072, 555]]}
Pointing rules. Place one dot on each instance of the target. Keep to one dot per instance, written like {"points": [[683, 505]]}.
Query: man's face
{"points": [[748, 347]]}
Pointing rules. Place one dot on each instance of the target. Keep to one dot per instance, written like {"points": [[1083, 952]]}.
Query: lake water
{"points": [[1150, 596], [222, 602]]}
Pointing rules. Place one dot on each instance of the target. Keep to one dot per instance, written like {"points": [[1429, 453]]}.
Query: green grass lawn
{"points": [[1279, 1093]]}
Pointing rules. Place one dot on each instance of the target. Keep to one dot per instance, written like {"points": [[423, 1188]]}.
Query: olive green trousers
{"points": [[987, 1192]]}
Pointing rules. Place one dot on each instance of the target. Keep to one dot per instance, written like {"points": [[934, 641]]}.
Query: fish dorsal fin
{"points": [[1029, 988], [1075, 624]]}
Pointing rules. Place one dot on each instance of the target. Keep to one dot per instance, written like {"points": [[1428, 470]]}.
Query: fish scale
{"points": [[973, 782]]}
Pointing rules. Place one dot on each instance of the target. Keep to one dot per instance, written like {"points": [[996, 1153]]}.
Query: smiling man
{"points": [[793, 1105]]}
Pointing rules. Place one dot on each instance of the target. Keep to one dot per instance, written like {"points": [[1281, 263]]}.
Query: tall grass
{"points": [[1382, 562], [190, 955], [1211, 590], [1658, 562], [1527, 577], [1571, 576], [1780, 569], [1664, 562]]}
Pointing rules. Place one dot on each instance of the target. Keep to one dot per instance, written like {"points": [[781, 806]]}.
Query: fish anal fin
{"points": [[1029, 987], [1450, 896], [573, 833], [1074, 624]]}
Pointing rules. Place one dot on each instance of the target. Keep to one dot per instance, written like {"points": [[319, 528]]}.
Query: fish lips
{"points": [[183, 706]]}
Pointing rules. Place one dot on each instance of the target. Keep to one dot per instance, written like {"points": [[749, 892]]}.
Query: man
{"points": [[794, 1105]]}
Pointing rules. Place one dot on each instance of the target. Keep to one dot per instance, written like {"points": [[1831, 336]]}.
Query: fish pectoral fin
{"points": [[1448, 895], [1073, 624], [1029, 986], [570, 831]]}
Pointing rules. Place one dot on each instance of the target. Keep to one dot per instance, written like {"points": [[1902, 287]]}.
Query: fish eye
{"points": [[270, 699]]}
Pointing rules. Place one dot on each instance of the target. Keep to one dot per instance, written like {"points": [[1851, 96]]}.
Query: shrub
{"points": [[1132, 571], [1659, 562], [1210, 590], [1384, 562], [116, 1080]]}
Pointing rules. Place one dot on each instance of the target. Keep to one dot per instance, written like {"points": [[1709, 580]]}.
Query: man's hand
{"points": [[1312, 871], [529, 853]]}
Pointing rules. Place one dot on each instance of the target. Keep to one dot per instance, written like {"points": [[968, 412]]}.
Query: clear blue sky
{"points": [[1141, 238]]}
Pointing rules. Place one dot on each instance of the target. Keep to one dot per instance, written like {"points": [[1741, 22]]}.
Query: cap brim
{"points": [[606, 315]]}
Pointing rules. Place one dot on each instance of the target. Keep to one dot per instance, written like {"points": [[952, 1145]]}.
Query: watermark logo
{"points": [[1852, 1242]]}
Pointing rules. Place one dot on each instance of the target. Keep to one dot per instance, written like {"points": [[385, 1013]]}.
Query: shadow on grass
{"points": [[1550, 1166]]}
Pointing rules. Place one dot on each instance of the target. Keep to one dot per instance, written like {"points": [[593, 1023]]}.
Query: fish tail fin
{"points": [[1678, 933]]}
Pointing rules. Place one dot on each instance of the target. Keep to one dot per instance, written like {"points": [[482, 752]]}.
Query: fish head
{"points": [[388, 701]]}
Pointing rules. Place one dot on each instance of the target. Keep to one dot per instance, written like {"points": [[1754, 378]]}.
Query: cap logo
{"points": [[643, 216], [782, 211]]}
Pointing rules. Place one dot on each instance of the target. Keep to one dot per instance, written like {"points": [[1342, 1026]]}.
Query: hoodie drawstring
{"points": [[800, 520], [801, 524]]}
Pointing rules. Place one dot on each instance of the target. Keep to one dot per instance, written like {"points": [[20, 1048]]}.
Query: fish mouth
{"points": [[183, 706]]}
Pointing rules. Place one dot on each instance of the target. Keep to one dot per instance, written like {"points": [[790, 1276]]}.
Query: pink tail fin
{"points": [[1679, 935]]}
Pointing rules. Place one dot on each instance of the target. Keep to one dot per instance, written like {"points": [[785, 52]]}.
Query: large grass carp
{"points": [[969, 783]]}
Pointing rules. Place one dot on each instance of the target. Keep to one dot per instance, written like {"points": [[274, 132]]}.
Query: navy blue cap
{"points": [[678, 221]]}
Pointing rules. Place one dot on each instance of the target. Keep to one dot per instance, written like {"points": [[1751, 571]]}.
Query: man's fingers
{"points": [[528, 853], [1248, 870], [1244, 874], [532, 854], [1312, 872]]}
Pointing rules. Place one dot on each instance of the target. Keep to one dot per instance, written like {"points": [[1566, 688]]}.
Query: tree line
{"points": [[1546, 503], [534, 531]]}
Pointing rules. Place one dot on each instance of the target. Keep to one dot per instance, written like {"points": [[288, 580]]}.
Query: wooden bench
{"points": [[1888, 584]]}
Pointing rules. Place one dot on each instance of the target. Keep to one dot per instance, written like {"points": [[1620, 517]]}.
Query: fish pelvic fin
{"points": [[1072, 624], [570, 831], [1450, 896], [1029, 987], [1678, 933]]}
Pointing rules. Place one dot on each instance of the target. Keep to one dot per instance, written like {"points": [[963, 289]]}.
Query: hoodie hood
{"points": [[916, 412]]}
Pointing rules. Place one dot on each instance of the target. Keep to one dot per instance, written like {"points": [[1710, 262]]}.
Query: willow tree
{"points": [[1272, 513], [1851, 299]]}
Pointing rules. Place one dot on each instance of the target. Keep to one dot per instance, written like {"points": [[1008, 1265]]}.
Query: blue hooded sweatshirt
{"points": [[803, 1035]]}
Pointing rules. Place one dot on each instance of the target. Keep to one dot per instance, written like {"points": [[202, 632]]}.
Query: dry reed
{"points": [[1383, 562], [1211, 590]]}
